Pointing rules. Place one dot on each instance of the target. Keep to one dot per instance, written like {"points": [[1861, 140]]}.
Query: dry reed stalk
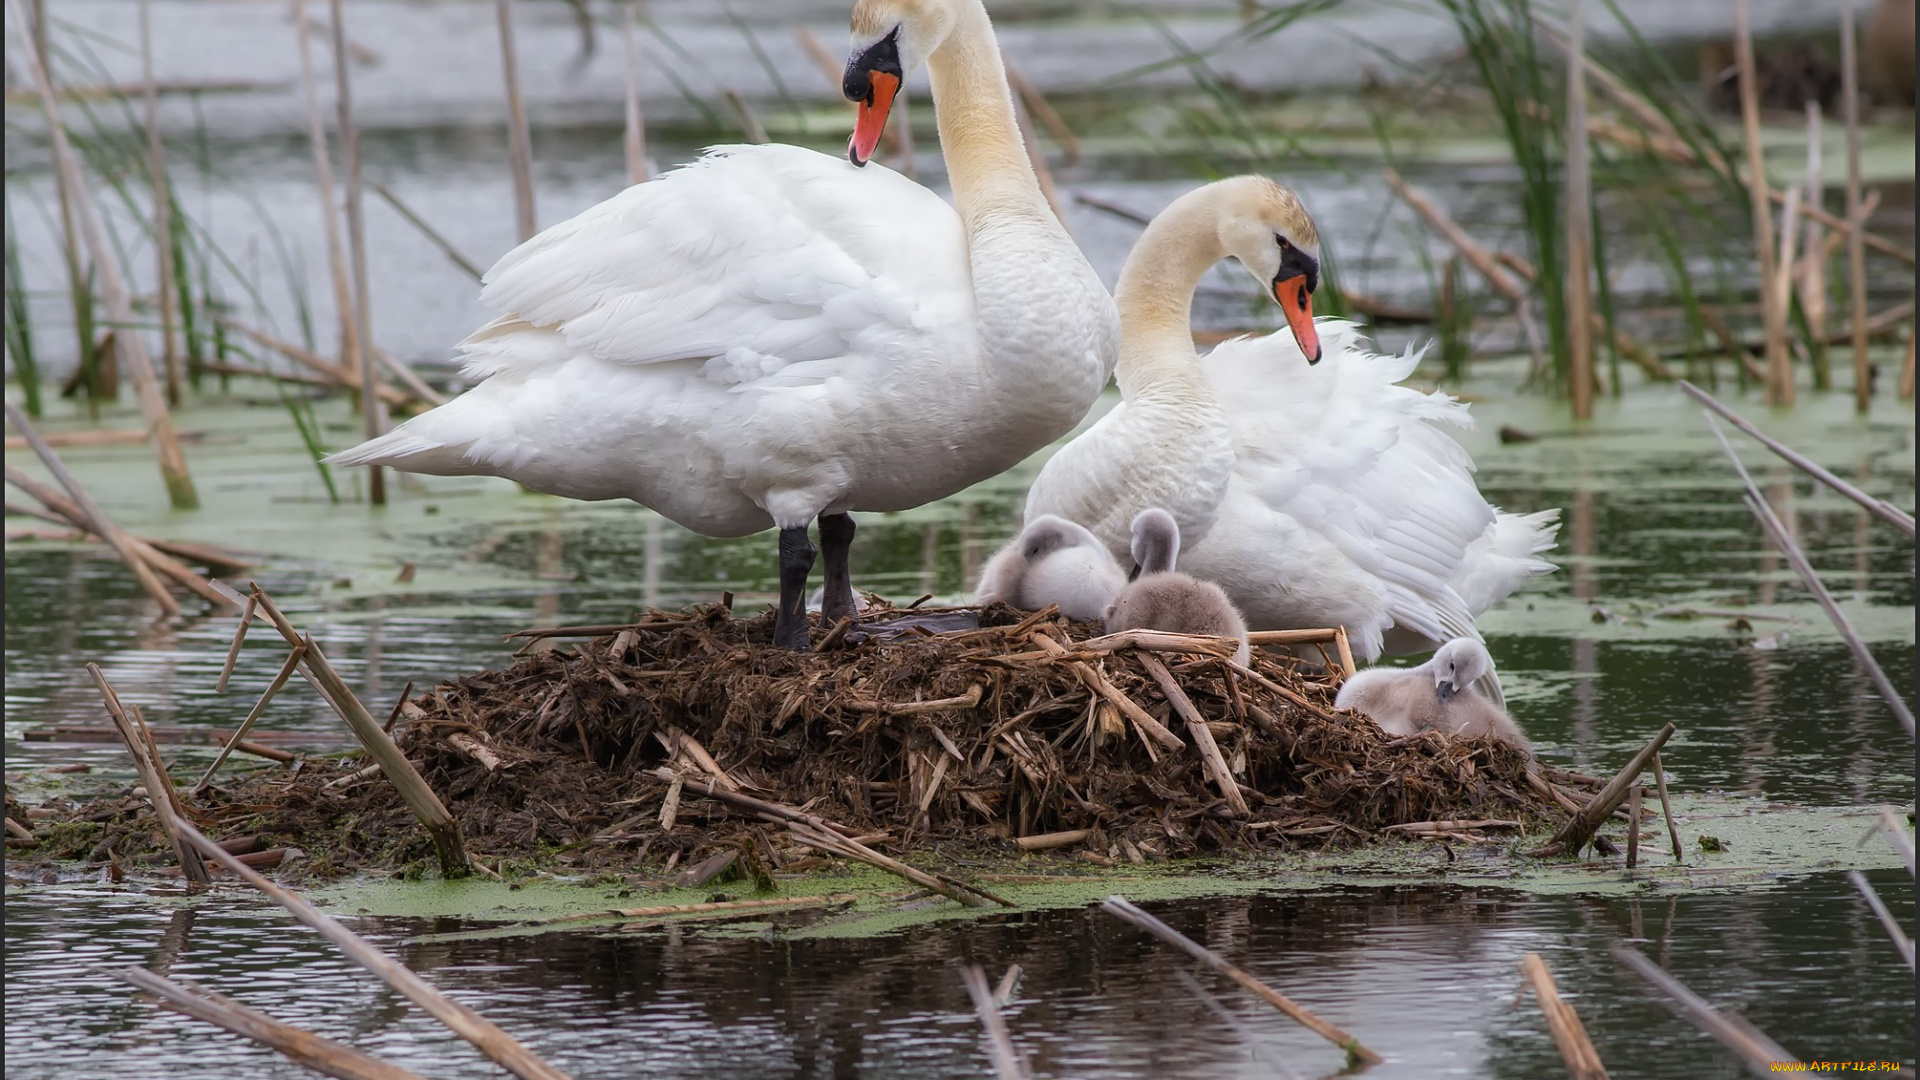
{"points": [[777, 903], [1633, 826], [1045, 841], [496, 1044], [1120, 908], [1783, 540], [357, 250], [690, 746], [1579, 214], [519, 137], [1734, 1032], [153, 774], [149, 551], [1575, 833], [1856, 246], [1477, 256], [259, 707], [113, 289], [1007, 1063], [98, 437], [1037, 157], [1897, 838], [1344, 646], [1666, 809], [1879, 508], [1780, 389], [1901, 941], [433, 235], [298, 1045], [162, 215], [1841, 225], [1149, 729], [329, 212], [233, 650], [1210, 756], [414, 790], [1810, 276], [1569, 1034], [340, 375], [1159, 641], [750, 126], [1043, 111], [635, 139], [474, 749], [92, 517], [1906, 367]]}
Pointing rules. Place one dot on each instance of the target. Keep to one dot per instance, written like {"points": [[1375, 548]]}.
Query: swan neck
{"points": [[1156, 299], [979, 135]]}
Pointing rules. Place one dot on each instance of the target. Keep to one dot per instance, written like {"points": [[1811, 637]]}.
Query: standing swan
{"points": [[1307, 484], [772, 335]]}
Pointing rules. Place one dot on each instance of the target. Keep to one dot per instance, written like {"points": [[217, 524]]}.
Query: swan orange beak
{"points": [[872, 116], [1298, 304]]}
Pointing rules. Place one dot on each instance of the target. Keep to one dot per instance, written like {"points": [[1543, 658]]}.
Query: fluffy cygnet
{"points": [[1162, 598], [1439, 695], [1053, 561]]}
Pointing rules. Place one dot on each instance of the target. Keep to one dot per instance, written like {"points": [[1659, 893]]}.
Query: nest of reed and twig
{"points": [[955, 742]]}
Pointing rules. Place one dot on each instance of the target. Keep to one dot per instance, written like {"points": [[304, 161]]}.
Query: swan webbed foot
{"points": [[796, 562], [836, 539]]}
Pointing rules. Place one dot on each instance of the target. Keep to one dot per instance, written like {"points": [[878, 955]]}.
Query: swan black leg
{"points": [[796, 561], [836, 538]]}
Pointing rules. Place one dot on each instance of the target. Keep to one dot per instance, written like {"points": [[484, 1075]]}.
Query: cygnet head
{"points": [[1264, 226], [1156, 543], [891, 38], [1456, 664], [1049, 533]]}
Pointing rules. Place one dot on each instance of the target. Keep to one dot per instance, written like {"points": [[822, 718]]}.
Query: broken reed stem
{"points": [[1048, 841], [357, 252], [1879, 508], [152, 773], [1007, 1064], [114, 291], [95, 519], [441, 825], [1477, 256], [1783, 540], [329, 211], [1633, 826], [1120, 908], [1780, 389], [297, 1044], [1038, 158], [635, 139], [1569, 1034], [1575, 833], [259, 707], [1666, 809], [777, 903], [1856, 243], [1043, 111], [347, 375], [496, 1044], [519, 138], [1344, 646], [162, 215], [1735, 1033], [1901, 941], [67, 511], [1210, 756], [233, 650], [1579, 221], [1810, 272], [433, 235]]}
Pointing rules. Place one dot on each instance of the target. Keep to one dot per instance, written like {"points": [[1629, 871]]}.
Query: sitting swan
{"points": [[1436, 696], [1161, 598], [1053, 561], [1306, 483], [772, 335]]}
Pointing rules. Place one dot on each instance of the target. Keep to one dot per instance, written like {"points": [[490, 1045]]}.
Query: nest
{"points": [[960, 742]]}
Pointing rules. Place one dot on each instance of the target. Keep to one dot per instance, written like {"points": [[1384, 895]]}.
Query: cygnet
{"points": [[1439, 695], [1053, 561], [1161, 598]]}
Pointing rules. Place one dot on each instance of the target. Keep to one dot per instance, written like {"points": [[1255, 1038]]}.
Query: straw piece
{"points": [[375, 416], [113, 289], [1007, 1063], [1666, 809], [1045, 841], [160, 793], [1345, 648], [1159, 641], [279, 681], [1780, 390], [1735, 1033], [1569, 1034], [1210, 756], [299, 1045], [1120, 908], [1783, 540], [1901, 941], [496, 1044], [94, 518], [1258, 638]]}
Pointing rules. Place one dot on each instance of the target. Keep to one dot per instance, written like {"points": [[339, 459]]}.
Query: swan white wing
{"points": [[775, 265], [1347, 453]]}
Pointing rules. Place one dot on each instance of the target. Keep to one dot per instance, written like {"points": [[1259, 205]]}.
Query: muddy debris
{"points": [[945, 734]]}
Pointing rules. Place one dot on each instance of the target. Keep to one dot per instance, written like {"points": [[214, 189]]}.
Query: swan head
{"points": [[1456, 664], [1156, 542], [890, 39], [1264, 226]]}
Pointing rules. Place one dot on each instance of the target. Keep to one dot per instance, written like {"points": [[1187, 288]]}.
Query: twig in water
{"points": [[1247, 1038], [1569, 1034], [1007, 1063], [65, 510], [1010, 982], [1736, 1034], [233, 651], [1783, 540], [1576, 832], [1900, 939], [499, 1046], [1666, 809], [153, 774], [1120, 908]]}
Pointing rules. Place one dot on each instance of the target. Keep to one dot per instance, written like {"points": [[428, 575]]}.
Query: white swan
{"points": [[1052, 561], [1436, 696], [1315, 492], [1162, 598], [771, 335]]}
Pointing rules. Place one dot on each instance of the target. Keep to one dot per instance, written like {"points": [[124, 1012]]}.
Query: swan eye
{"points": [[1282, 241]]}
